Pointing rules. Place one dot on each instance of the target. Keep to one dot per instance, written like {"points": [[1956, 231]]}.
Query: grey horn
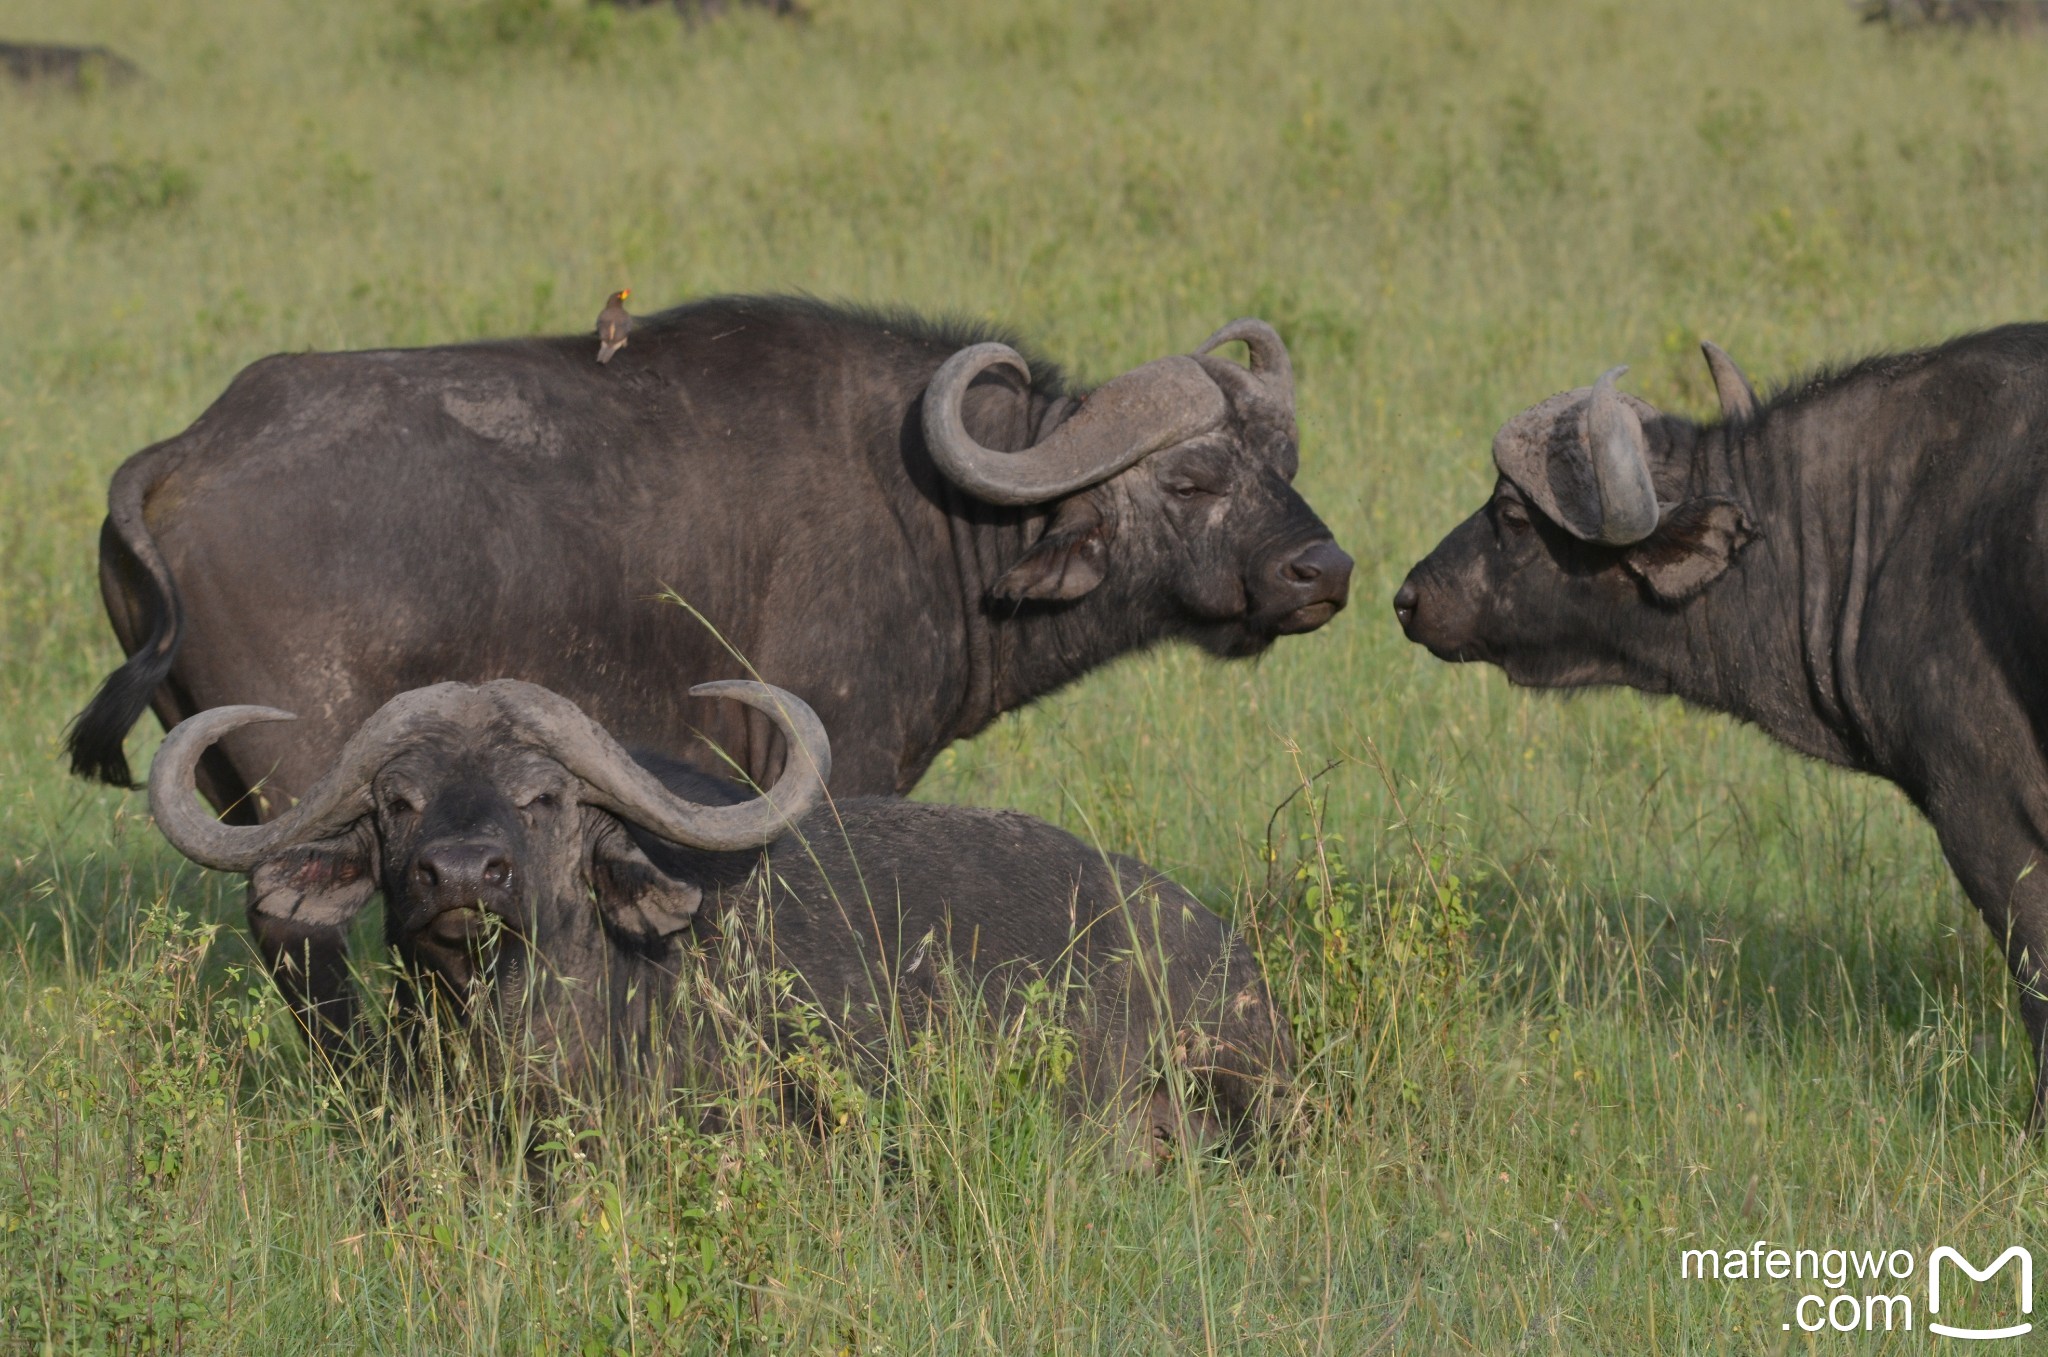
{"points": [[1271, 367], [1166, 401], [1738, 397], [618, 784], [336, 800], [1621, 465]]}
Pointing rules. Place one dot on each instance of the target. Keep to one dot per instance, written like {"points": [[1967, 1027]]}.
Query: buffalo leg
{"points": [[1999, 852], [310, 965]]}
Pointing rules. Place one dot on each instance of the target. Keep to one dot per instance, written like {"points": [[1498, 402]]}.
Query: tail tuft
{"points": [[95, 737], [138, 587]]}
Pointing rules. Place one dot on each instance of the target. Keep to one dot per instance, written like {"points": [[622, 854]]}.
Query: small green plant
{"points": [[468, 35], [689, 1220], [1529, 157], [116, 192], [1320, 144], [1353, 958], [1364, 941], [100, 1248], [1733, 126], [1036, 1047]]}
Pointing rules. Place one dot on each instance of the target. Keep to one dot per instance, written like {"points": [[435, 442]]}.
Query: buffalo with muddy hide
{"points": [[590, 908], [907, 524], [1857, 565]]}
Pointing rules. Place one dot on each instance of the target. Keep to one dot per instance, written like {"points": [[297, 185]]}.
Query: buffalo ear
{"points": [[636, 897], [1692, 547], [1066, 563], [320, 885]]}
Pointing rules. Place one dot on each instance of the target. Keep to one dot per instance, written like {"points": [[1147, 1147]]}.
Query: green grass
{"points": [[1586, 981]]}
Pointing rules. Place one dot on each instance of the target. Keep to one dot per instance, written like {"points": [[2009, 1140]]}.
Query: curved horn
{"points": [[174, 793], [1621, 466], [1270, 363], [1167, 401], [1738, 397], [340, 796], [623, 787]]}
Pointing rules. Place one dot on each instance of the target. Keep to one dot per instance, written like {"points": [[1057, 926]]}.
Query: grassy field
{"points": [[1584, 982]]}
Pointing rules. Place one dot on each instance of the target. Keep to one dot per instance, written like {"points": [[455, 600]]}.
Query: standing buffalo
{"points": [[900, 522], [1859, 566], [589, 902]]}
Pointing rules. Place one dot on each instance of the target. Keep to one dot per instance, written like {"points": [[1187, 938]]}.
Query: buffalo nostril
{"points": [[1320, 563], [1405, 601], [462, 867]]}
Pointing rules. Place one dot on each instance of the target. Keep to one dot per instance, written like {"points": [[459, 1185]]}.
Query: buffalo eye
{"points": [[1182, 488], [1512, 514], [398, 805], [540, 802]]}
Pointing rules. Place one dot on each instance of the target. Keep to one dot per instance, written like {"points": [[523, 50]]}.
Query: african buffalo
{"points": [[40, 63], [546, 880], [1858, 565], [901, 522]]}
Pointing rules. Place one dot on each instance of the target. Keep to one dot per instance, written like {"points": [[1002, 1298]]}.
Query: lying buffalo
{"points": [[56, 64], [1858, 566], [901, 522], [502, 814]]}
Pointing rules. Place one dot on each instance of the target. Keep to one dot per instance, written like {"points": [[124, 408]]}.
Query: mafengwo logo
{"points": [[1945, 1254], [1872, 1290]]}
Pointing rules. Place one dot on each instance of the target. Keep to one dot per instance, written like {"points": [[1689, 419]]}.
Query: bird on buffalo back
{"points": [[613, 324]]}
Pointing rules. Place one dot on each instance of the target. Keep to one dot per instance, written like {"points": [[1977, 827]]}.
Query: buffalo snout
{"points": [[1438, 616], [1446, 604], [1310, 587], [1405, 599], [456, 881]]}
